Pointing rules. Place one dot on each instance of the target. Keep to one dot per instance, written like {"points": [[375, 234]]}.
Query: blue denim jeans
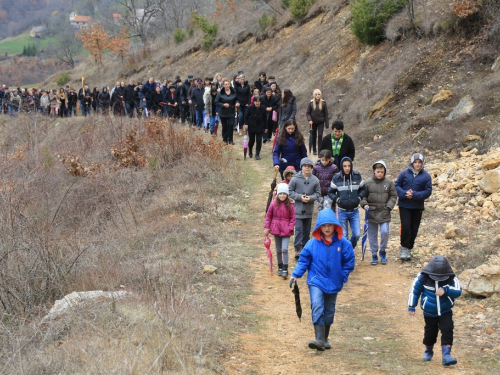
{"points": [[351, 218], [199, 117], [242, 111], [322, 306]]}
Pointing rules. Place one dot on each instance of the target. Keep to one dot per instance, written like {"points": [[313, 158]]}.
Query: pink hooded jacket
{"points": [[280, 220]]}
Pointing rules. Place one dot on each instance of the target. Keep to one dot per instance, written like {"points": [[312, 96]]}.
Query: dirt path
{"points": [[372, 332]]}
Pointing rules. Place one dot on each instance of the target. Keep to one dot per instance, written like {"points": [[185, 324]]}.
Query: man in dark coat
{"points": [[185, 107], [130, 96], [196, 100], [339, 143], [148, 89]]}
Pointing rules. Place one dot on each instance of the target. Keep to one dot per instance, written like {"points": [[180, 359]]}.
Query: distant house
{"points": [[117, 17], [38, 32], [79, 22]]}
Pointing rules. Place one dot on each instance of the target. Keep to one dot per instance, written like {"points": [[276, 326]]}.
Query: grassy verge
{"points": [[14, 45]]}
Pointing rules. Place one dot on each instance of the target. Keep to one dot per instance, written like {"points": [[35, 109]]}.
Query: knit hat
{"points": [[306, 161], [417, 156], [282, 188], [289, 170]]}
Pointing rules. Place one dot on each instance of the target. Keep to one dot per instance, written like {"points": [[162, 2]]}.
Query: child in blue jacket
{"points": [[437, 286], [328, 259]]}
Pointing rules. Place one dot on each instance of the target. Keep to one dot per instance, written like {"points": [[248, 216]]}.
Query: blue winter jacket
{"points": [[328, 266], [420, 183], [424, 287], [292, 153]]}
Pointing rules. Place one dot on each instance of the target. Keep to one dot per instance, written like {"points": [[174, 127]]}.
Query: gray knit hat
{"points": [[282, 188], [306, 161]]}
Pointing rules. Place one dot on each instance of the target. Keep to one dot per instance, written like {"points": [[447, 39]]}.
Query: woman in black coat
{"points": [[227, 103], [103, 99], [288, 108], [317, 115], [271, 103], [256, 123]]}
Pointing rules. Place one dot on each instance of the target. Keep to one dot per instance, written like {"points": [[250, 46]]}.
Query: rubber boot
{"points": [[285, 271], [448, 360], [383, 257], [327, 332], [429, 352], [298, 249], [319, 343], [280, 269]]}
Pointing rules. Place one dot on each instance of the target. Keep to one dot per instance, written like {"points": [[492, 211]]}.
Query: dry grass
{"points": [[148, 228]]}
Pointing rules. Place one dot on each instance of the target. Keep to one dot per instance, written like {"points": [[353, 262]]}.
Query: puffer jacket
{"points": [[424, 287], [317, 116], [346, 191], [287, 111], [421, 185], [223, 98], [243, 93], [325, 175], [280, 220], [292, 153], [298, 186], [255, 118], [380, 196], [328, 266]]}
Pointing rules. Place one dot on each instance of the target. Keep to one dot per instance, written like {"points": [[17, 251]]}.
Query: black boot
{"points": [[285, 271], [327, 332], [319, 343], [250, 155], [280, 269]]}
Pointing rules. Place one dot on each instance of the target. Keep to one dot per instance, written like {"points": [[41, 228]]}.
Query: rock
{"points": [[483, 280], [496, 65], [490, 163], [463, 108], [209, 269], [451, 231], [472, 138], [441, 96], [76, 299], [490, 183]]}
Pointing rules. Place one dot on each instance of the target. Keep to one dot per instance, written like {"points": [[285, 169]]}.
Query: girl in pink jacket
{"points": [[280, 222]]}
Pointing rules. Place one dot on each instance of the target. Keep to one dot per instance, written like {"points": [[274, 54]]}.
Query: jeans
{"points": [[322, 306], [282, 249], [302, 231], [351, 217], [373, 237], [242, 110], [199, 117], [212, 120]]}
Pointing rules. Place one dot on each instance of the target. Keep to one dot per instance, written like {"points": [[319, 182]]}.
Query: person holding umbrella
{"points": [[328, 259], [280, 222], [317, 115]]}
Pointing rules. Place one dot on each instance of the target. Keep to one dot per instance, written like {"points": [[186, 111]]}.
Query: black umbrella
{"points": [[310, 138], [273, 185], [298, 307]]}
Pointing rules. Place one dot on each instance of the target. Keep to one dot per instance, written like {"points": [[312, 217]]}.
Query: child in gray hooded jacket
{"points": [[304, 190], [380, 198]]}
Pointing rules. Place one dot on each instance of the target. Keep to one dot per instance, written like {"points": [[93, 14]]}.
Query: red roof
{"points": [[117, 15], [82, 19]]}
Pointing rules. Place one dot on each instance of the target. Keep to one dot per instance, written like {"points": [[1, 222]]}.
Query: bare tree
{"points": [[68, 46], [139, 15]]}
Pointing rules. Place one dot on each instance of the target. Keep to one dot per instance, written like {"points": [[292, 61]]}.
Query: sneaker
{"points": [[408, 254], [284, 273], [403, 253], [374, 261], [264, 140], [383, 258], [280, 272], [315, 153], [257, 157]]}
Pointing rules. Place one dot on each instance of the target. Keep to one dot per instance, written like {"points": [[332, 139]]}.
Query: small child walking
{"points": [[328, 259], [380, 197], [437, 286], [325, 169], [280, 221]]}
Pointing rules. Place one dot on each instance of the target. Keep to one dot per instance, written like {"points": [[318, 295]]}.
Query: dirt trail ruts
{"points": [[372, 332]]}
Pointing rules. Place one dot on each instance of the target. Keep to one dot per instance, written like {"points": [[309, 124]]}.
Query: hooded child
{"points": [[304, 190], [325, 169], [328, 259], [380, 198], [437, 287], [414, 186], [280, 221]]}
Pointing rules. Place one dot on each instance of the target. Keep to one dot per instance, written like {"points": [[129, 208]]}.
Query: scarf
{"points": [[336, 148]]}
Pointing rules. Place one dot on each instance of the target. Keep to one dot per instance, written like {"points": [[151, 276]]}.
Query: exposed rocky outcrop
{"points": [[484, 280]]}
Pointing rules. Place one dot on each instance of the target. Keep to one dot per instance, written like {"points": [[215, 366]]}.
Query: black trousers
{"points": [[410, 222], [317, 136], [227, 128], [253, 138], [443, 323]]}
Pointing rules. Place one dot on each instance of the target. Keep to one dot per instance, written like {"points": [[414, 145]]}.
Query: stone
{"points": [[463, 108], [496, 65], [484, 280], [490, 163], [490, 183], [441, 96], [472, 138], [451, 230], [209, 269]]}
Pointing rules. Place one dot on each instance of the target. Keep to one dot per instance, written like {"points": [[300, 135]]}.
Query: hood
{"points": [[439, 268], [327, 216], [345, 158], [380, 162], [414, 157]]}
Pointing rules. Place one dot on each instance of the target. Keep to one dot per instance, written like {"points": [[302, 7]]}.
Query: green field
{"points": [[14, 46]]}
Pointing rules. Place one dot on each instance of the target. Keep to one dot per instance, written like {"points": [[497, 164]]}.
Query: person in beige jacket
{"points": [[380, 198]]}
